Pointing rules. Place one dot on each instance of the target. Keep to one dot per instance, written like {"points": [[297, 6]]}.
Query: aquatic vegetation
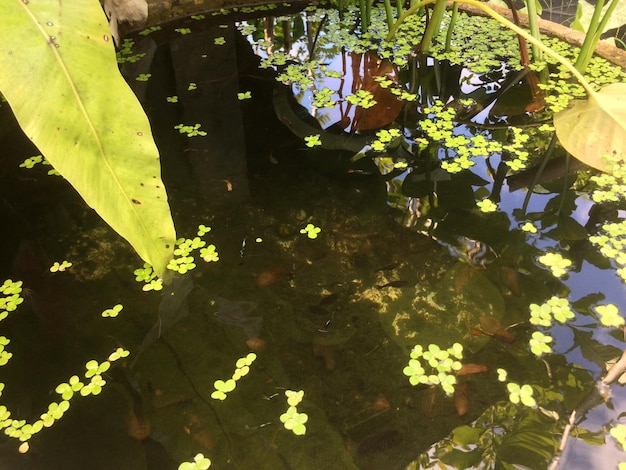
{"points": [[246, 95], [172, 99], [311, 231], [609, 315], [192, 86], [183, 31], [209, 254], [529, 227], [125, 53], [487, 205], [556, 262], [442, 364], [619, 433], [149, 30], [540, 343], [220, 41], [222, 388], [20, 429], [31, 161], [60, 267], [143, 77], [113, 311], [293, 420], [523, 394], [556, 307], [312, 140], [191, 131], [203, 230], [200, 462]]}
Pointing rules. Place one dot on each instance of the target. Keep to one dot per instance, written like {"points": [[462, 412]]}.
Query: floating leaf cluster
{"points": [[223, 387], [292, 419], [556, 262], [200, 462], [441, 363]]}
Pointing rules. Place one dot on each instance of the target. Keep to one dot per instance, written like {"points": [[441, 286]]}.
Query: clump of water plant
{"points": [[292, 419], [435, 366], [242, 368], [20, 429], [200, 462]]}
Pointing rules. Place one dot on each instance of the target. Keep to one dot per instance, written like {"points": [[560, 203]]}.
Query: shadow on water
{"points": [[334, 316]]}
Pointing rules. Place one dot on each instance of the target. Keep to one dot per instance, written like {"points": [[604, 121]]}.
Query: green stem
{"points": [[588, 42], [400, 7], [453, 17], [533, 26], [389, 13], [599, 28], [364, 18], [503, 21], [433, 25]]}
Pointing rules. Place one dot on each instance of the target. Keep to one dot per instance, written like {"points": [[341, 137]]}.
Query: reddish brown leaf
{"points": [[468, 369]]}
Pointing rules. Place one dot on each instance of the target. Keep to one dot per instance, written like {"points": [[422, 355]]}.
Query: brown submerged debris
{"points": [[137, 427], [510, 278], [327, 353], [256, 344], [271, 276], [461, 399], [469, 369]]}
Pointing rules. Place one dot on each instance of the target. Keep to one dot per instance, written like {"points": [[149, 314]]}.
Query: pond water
{"points": [[331, 268]]}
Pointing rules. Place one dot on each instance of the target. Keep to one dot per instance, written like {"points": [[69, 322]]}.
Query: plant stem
{"points": [[589, 45], [453, 17], [389, 13], [435, 22], [533, 26], [503, 21], [364, 18]]}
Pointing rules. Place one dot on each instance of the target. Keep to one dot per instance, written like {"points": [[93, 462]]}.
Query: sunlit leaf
{"points": [[595, 128], [60, 77], [584, 12]]}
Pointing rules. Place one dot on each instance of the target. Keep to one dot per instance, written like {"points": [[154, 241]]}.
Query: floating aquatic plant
{"points": [[113, 311], [245, 95], [523, 394], [292, 419], [172, 99], [487, 205], [31, 161], [619, 433], [556, 308], [442, 364], [529, 227], [312, 140], [311, 231], [220, 41], [540, 343], [242, 368], [191, 131], [60, 267], [609, 315], [143, 77], [209, 254], [556, 262], [200, 462]]}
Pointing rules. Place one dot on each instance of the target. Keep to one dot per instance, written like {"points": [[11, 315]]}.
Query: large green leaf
{"points": [[60, 77], [584, 13], [595, 128]]}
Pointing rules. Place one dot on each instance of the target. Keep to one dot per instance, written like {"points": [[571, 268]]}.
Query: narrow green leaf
{"points": [[60, 77]]}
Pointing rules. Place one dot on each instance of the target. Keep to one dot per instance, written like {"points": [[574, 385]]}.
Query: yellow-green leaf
{"points": [[595, 128], [59, 74]]}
